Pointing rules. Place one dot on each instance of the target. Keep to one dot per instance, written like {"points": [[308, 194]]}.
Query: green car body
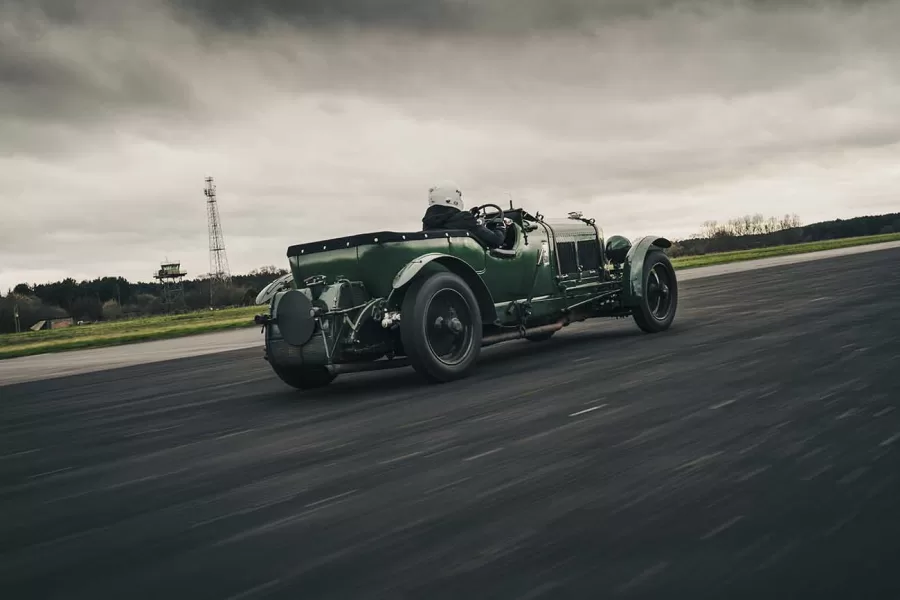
{"points": [[392, 299]]}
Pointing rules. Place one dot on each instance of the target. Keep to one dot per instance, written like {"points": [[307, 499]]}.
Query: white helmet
{"points": [[445, 194]]}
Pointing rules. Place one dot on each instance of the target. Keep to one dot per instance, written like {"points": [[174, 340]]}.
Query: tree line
{"points": [[111, 298], [756, 231]]}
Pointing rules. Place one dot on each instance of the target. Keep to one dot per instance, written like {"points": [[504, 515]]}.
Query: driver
{"points": [[445, 211]]}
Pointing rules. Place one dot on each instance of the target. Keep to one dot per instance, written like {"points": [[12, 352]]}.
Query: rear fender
{"points": [[408, 273], [633, 274]]}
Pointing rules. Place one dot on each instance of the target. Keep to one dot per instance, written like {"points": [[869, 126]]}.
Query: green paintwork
{"points": [[617, 248], [411, 270], [556, 269]]}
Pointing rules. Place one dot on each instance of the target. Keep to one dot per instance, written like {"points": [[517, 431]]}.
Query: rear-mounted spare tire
{"points": [[295, 320], [305, 377], [440, 327]]}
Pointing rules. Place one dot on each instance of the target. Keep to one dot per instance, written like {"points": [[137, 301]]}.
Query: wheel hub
{"points": [[455, 325], [449, 326], [449, 323]]}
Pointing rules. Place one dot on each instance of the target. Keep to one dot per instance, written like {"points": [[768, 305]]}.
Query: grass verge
{"points": [[721, 258], [116, 333], [127, 331]]}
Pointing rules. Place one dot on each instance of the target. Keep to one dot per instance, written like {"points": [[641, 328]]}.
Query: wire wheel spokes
{"points": [[659, 292], [448, 326]]}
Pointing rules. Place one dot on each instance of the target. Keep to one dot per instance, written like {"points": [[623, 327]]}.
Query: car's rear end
{"points": [[334, 316]]}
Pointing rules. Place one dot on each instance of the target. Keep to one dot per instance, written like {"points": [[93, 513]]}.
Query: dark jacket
{"points": [[448, 217]]}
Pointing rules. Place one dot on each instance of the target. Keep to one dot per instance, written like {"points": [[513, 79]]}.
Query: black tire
{"points": [[304, 378], [426, 322], [659, 302]]}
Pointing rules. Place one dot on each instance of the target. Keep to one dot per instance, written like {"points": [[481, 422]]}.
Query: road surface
{"points": [[753, 451]]}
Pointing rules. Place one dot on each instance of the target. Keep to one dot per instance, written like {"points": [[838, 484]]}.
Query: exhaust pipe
{"points": [[378, 365], [519, 333]]}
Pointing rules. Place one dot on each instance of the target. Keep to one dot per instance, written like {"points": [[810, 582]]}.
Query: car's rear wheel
{"points": [[659, 300], [440, 327], [304, 378]]}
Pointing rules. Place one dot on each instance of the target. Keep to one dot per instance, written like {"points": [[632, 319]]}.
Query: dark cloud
{"points": [[511, 16], [399, 13], [68, 62], [51, 11], [322, 118]]}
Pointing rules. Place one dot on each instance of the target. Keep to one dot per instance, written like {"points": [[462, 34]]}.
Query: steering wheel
{"points": [[480, 209]]}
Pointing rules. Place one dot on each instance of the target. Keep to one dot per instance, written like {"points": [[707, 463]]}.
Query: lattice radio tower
{"points": [[218, 261]]}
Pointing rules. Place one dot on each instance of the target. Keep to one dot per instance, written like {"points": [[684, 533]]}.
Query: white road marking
{"points": [[643, 576], [399, 458], [723, 527], [255, 590], [890, 440], [18, 454], [722, 404], [698, 461], [752, 473], [332, 498], [587, 410], [48, 473], [447, 485], [815, 474], [483, 454], [853, 476]]}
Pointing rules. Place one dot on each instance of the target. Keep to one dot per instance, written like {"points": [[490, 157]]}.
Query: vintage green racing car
{"points": [[433, 299]]}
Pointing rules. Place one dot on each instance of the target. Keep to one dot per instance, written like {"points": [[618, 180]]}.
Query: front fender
{"points": [[633, 274], [456, 265]]}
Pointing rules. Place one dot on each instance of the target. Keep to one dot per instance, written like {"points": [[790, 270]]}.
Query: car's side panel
{"points": [[633, 276], [523, 275], [510, 277], [415, 268], [375, 264], [544, 296], [379, 262], [469, 251], [340, 262], [545, 286]]}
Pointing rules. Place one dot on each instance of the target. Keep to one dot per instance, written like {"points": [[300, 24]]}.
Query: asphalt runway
{"points": [[750, 452]]}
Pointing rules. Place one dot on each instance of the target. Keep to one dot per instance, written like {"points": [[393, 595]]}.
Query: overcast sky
{"points": [[324, 117]]}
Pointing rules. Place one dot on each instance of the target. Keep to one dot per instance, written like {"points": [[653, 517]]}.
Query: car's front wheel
{"points": [[440, 327], [659, 300]]}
